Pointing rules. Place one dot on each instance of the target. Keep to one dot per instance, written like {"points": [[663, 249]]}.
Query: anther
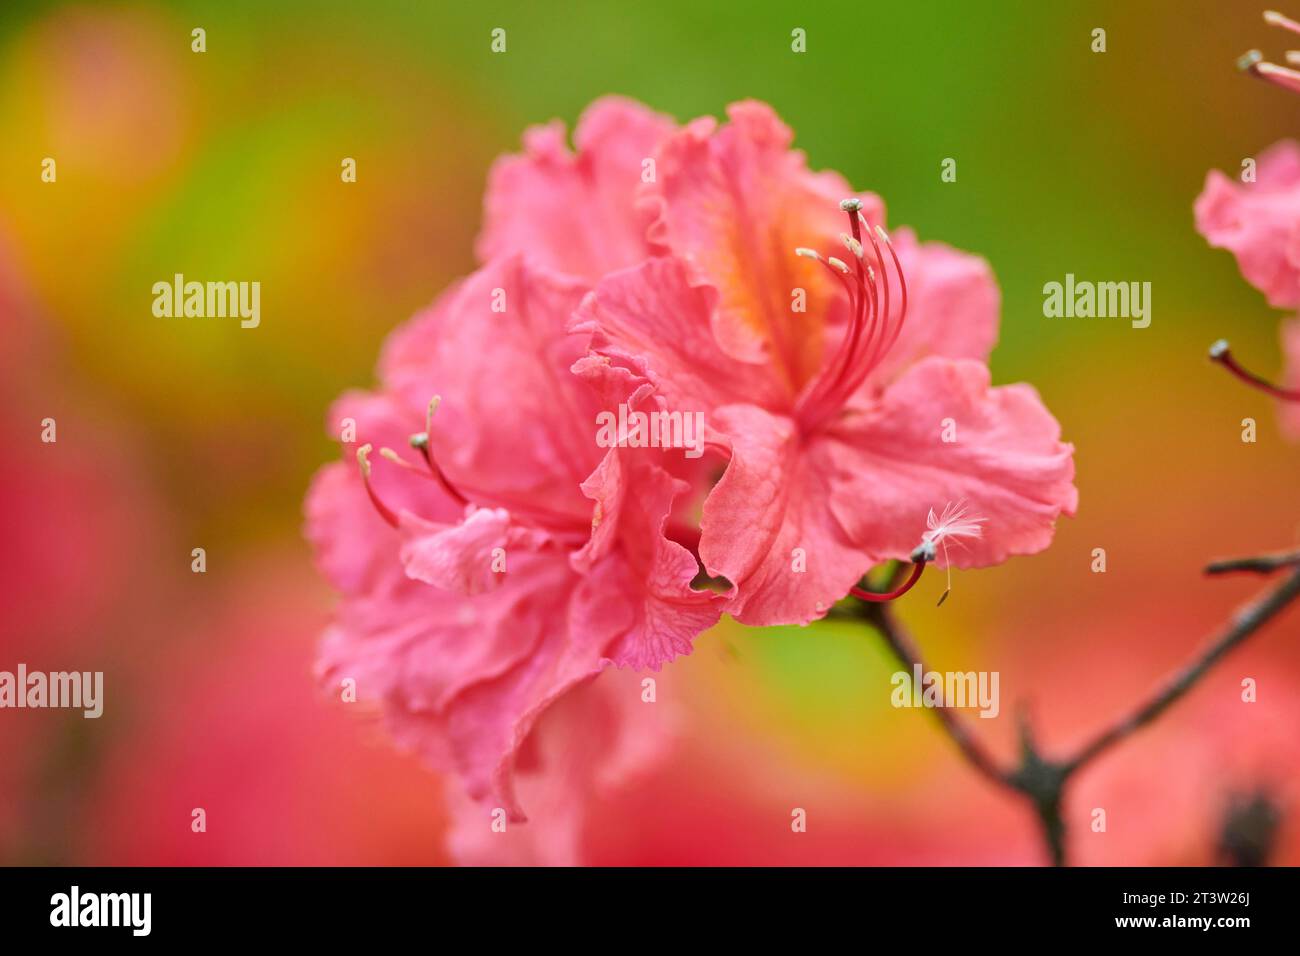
{"points": [[1275, 19]]}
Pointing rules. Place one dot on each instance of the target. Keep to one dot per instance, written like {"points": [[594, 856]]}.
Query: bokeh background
{"points": [[181, 434]]}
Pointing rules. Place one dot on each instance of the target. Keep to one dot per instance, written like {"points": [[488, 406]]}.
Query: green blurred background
{"points": [[226, 164]]}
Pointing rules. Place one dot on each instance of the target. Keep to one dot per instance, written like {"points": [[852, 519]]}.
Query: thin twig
{"points": [[1041, 781], [1246, 622], [1258, 564]]}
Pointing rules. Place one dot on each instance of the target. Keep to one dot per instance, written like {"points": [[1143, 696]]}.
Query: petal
{"points": [[735, 202], [516, 429], [470, 557], [1259, 222], [651, 322], [489, 721], [461, 680], [796, 520], [593, 743], [891, 465], [575, 213], [768, 526], [637, 583]]}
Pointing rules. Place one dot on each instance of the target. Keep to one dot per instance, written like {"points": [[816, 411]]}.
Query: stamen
{"points": [[1275, 19], [420, 442], [872, 329], [1219, 352], [902, 286], [1281, 76], [1253, 61], [384, 511], [396, 459]]}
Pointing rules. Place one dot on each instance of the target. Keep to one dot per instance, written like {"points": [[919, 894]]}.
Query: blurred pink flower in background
{"points": [[1259, 222], [224, 717], [77, 523]]}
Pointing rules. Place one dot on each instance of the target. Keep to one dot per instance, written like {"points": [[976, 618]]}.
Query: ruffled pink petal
{"points": [[490, 721], [1259, 222], [595, 742], [459, 679], [575, 213], [470, 557], [1290, 411], [768, 526], [838, 502], [735, 202], [637, 582], [515, 429], [890, 466], [649, 323]]}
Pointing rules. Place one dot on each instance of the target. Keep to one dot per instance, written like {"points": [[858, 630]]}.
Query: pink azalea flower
{"points": [[461, 653], [1259, 222], [843, 424]]}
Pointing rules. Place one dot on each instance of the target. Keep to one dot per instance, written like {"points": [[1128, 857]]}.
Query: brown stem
{"points": [[1259, 564], [1244, 623], [1041, 781]]}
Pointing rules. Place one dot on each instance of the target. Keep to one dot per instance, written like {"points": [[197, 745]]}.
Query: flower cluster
{"points": [[498, 557]]}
